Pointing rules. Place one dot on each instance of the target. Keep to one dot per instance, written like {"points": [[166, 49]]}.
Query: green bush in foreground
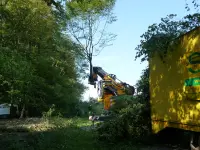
{"points": [[131, 123]]}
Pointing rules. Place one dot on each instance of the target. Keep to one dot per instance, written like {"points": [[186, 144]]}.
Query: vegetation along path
{"points": [[57, 133]]}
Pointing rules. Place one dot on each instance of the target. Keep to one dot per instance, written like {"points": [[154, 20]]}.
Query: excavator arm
{"points": [[94, 73], [108, 87]]}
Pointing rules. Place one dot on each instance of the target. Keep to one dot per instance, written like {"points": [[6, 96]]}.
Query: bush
{"points": [[132, 122]]}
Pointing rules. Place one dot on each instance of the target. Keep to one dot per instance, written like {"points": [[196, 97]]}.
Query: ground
{"points": [[57, 133]]}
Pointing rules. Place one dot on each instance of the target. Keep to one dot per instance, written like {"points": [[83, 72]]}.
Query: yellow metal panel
{"points": [[175, 85], [107, 101]]}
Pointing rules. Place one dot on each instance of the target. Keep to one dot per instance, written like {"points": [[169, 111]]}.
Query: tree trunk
{"points": [[22, 112], [90, 79], [90, 62]]}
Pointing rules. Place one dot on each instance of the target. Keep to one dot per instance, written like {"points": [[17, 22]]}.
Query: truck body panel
{"points": [[175, 85]]}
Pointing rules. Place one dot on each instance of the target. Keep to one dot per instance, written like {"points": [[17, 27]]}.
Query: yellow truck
{"points": [[175, 85]]}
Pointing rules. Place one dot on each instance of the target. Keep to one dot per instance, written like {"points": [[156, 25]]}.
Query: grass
{"points": [[42, 134], [55, 134]]}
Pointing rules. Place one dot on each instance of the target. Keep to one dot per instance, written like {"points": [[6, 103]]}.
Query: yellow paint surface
{"points": [[175, 85]]}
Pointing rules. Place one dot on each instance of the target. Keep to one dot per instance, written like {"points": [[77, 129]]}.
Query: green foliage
{"points": [[47, 115], [130, 123], [85, 108], [83, 7], [60, 134], [40, 65], [65, 134], [138, 121], [142, 86], [159, 37], [122, 101], [195, 4]]}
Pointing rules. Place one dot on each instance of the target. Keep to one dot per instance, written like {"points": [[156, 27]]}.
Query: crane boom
{"points": [[108, 87]]}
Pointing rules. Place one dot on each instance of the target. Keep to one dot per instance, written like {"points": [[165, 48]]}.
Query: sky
{"points": [[133, 19]]}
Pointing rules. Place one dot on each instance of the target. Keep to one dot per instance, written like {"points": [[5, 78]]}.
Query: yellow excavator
{"points": [[109, 87]]}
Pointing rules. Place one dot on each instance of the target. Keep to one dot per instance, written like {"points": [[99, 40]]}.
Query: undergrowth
{"points": [[132, 123], [57, 133]]}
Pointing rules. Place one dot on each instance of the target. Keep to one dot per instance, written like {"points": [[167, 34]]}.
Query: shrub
{"points": [[132, 122]]}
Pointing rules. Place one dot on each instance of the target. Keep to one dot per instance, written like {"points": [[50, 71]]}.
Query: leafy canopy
{"points": [[159, 37]]}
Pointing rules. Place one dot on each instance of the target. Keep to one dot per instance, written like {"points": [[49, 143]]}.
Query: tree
{"points": [[158, 37], [38, 62], [142, 85], [87, 23], [195, 3]]}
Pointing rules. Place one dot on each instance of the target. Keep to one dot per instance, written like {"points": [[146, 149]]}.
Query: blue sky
{"points": [[134, 17]]}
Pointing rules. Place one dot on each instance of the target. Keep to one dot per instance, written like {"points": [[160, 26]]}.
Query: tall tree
{"points": [[87, 24], [38, 62]]}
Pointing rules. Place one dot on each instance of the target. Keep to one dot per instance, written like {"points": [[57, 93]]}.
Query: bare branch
{"points": [[92, 34], [77, 39], [96, 27], [83, 33], [102, 34]]}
